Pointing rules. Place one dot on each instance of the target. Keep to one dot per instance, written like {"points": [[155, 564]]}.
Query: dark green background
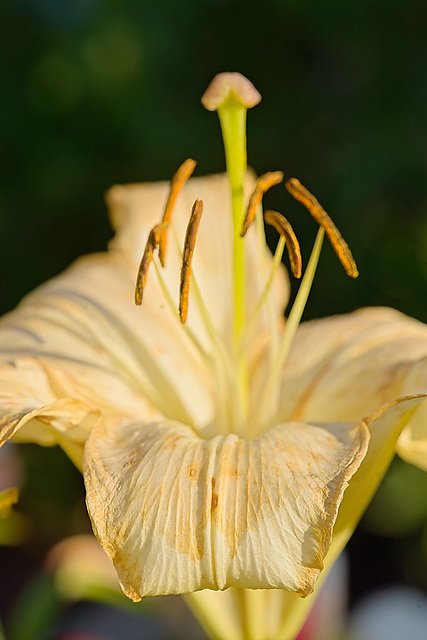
{"points": [[94, 93]]}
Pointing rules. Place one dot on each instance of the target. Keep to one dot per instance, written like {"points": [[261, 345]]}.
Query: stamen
{"points": [[338, 243], [268, 402], [189, 244], [263, 184], [282, 226], [152, 242], [178, 181]]}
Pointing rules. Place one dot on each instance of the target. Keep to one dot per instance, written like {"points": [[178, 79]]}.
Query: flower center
{"points": [[231, 95]]}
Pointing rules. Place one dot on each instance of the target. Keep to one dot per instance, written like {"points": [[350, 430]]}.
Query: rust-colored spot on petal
{"points": [[283, 226], [189, 244], [178, 181], [263, 184], [341, 248]]}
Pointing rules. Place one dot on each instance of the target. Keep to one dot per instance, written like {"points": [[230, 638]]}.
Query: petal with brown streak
{"points": [[177, 513]]}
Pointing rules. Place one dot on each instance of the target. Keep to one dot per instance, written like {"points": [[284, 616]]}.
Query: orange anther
{"points": [[341, 248], [189, 244], [263, 184]]}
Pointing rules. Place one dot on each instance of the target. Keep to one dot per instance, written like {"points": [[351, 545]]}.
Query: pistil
{"points": [[231, 95]]}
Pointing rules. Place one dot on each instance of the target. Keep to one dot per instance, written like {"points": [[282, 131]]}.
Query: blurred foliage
{"points": [[95, 92], [405, 486]]}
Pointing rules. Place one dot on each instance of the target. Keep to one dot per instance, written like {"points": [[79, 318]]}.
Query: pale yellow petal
{"points": [[177, 513], [346, 367], [136, 208], [221, 613], [412, 444], [384, 427], [34, 407], [125, 360]]}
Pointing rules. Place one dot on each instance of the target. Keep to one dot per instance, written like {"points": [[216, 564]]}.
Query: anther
{"points": [[178, 181], [152, 242], [341, 248], [282, 226], [189, 244], [263, 184]]}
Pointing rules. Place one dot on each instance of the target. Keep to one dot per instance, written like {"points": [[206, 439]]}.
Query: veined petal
{"points": [[34, 408], [177, 513], [346, 367], [124, 360], [136, 208], [385, 427]]}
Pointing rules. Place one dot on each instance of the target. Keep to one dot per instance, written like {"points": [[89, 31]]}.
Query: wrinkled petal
{"points": [[35, 407], [385, 427], [346, 367], [125, 360], [177, 513], [136, 208]]}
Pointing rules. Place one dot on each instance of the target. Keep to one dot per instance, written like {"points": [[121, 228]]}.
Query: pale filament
{"points": [[222, 363]]}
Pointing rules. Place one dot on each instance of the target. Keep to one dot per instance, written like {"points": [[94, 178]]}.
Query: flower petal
{"points": [[412, 444], [124, 360], [346, 367], [177, 513], [136, 208], [385, 427], [35, 407]]}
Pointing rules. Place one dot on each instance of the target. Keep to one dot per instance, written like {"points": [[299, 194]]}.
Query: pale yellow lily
{"points": [[215, 453]]}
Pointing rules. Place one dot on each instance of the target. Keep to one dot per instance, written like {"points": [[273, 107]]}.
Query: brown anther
{"points": [[282, 226], [263, 184], [178, 181], [341, 248], [189, 243], [152, 242]]}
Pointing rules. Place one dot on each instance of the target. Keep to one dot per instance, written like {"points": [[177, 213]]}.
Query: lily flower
{"points": [[217, 439]]}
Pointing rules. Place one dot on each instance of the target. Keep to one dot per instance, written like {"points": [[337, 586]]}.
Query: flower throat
{"points": [[231, 95]]}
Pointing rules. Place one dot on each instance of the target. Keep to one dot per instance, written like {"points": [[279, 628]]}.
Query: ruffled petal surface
{"points": [[36, 406], [346, 367], [177, 513], [118, 358]]}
